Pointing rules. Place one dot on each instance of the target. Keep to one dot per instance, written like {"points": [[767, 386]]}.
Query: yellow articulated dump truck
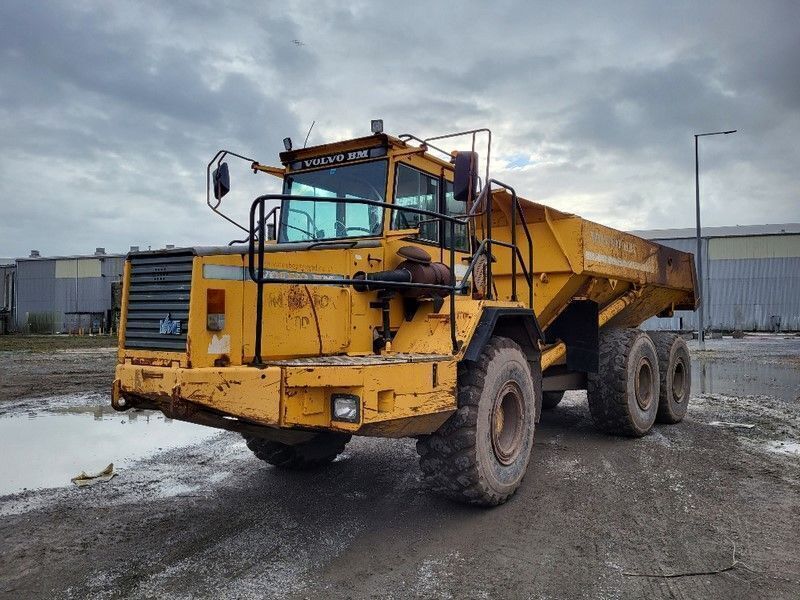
{"points": [[392, 290]]}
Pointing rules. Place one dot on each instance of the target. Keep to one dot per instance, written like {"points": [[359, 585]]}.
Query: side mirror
{"points": [[222, 181], [465, 177]]}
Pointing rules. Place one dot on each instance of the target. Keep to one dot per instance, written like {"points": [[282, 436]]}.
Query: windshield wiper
{"points": [[345, 243], [308, 233]]}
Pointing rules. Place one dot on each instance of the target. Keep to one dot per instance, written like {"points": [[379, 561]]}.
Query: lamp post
{"points": [[701, 333]]}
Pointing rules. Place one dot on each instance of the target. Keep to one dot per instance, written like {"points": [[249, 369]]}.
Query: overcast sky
{"points": [[109, 111]]}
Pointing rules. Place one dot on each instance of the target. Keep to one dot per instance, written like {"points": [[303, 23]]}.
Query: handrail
{"points": [[405, 137], [516, 208], [473, 133], [272, 213], [470, 132], [256, 249], [482, 250], [257, 236], [256, 242]]}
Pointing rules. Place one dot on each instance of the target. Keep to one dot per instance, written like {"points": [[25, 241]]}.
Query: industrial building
{"points": [[751, 281], [66, 294], [751, 277]]}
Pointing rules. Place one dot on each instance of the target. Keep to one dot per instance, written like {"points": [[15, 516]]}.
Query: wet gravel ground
{"points": [[40, 366], [597, 516]]}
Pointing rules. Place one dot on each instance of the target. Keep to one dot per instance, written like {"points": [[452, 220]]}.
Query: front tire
{"points": [[623, 394], [318, 451], [480, 454]]}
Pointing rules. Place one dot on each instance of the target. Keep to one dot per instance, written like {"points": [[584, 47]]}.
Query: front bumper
{"points": [[396, 399], [246, 393]]}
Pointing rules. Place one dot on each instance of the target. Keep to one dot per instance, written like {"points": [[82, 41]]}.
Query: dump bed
{"points": [[574, 258]]}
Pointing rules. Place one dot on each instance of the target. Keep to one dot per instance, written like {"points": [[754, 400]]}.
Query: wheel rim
{"points": [[508, 422], [679, 381], [644, 384]]}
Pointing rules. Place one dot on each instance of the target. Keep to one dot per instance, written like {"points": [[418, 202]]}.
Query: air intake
{"points": [[158, 302]]}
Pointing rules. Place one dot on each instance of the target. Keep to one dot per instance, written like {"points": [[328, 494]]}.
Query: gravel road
{"points": [[597, 516]]}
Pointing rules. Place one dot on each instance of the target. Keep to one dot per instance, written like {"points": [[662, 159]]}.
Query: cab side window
{"points": [[420, 190], [454, 208]]}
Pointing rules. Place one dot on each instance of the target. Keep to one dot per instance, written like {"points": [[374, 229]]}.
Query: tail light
{"points": [[215, 310]]}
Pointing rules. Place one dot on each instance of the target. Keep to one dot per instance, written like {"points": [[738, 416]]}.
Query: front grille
{"points": [[159, 287]]}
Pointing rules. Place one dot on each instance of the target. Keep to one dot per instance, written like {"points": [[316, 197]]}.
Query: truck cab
{"points": [[189, 315]]}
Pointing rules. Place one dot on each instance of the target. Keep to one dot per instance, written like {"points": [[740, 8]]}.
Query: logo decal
{"points": [[337, 159], [321, 161], [167, 326]]}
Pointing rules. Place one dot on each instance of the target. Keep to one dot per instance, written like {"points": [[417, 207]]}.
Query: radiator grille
{"points": [[159, 286]]}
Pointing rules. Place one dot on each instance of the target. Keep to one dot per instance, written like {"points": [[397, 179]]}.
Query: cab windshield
{"points": [[309, 220]]}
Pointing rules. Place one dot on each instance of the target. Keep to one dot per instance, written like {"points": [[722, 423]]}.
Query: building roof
{"points": [[71, 257], [713, 232], [7, 262]]}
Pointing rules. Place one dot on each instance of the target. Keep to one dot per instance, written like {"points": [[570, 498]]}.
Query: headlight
{"points": [[345, 407]]}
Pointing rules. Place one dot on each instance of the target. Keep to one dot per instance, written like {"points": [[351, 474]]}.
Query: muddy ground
{"points": [[38, 366], [597, 516]]}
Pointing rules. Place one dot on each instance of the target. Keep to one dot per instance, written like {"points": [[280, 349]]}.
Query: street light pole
{"points": [[701, 329]]}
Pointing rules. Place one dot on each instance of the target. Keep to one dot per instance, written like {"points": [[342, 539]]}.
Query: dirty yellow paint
{"points": [[299, 396], [572, 258]]}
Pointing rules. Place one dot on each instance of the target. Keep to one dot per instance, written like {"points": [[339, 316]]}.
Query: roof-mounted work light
{"points": [[287, 143], [376, 125]]}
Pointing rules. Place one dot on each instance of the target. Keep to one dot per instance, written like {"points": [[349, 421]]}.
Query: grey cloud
{"points": [[110, 111]]}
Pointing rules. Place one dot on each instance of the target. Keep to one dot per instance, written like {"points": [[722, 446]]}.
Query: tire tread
{"points": [[664, 342], [607, 389], [448, 456]]}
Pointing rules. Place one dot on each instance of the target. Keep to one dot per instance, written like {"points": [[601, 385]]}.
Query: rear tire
{"points": [[551, 399], [623, 394], [675, 367], [480, 454], [315, 452]]}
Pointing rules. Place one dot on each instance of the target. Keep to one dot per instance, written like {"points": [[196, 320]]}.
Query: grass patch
{"points": [[41, 323], [48, 343]]}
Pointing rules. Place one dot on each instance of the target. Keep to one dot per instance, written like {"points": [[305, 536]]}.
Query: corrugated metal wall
{"points": [[35, 291], [49, 289], [6, 286], [751, 283], [7, 278]]}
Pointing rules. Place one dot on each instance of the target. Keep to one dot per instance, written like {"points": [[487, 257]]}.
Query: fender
{"points": [[518, 324]]}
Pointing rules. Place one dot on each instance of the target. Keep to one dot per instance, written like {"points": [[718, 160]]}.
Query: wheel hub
{"points": [[679, 381], [644, 384], [508, 423]]}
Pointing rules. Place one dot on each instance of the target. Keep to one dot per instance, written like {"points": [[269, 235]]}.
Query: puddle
{"points": [[791, 448], [733, 378], [46, 449]]}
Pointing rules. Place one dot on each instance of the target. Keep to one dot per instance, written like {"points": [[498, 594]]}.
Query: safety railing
{"points": [[256, 245], [486, 194], [516, 210], [271, 215], [256, 250]]}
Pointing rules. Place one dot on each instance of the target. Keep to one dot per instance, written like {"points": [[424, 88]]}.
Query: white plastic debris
{"points": [[103, 476], [731, 424]]}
